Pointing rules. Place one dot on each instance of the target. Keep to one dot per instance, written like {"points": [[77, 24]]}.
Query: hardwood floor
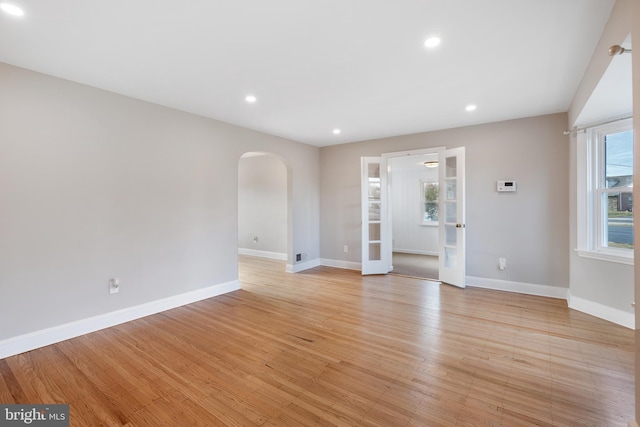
{"points": [[329, 347]]}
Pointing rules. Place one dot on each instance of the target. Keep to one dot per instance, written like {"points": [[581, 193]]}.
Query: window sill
{"points": [[429, 224], [604, 256]]}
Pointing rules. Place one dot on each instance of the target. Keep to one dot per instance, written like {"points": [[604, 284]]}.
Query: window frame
{"points": [[591, 188], [423, 201]]}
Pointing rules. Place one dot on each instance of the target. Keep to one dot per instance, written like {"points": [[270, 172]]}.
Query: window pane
{"points": [[430, 211], [618, 205], [618, 227], [374, 231], [619, 160], [450, 257], [375, 252], [451, 212], [374, 211], [374, 190], [451, 170], [373, 170], [451, 235], [451, 190]]}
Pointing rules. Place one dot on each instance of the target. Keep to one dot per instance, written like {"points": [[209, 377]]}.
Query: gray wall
{"points": [[530, 228], [95, 185], [262, 204]]}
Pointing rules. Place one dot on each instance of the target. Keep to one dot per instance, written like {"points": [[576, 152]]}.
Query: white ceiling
{"points": [[316, 65]]}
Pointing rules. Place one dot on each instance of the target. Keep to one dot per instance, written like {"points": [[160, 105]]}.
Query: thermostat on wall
{"points": [[506, 186]]}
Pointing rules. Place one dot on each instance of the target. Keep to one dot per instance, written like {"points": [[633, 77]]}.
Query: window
{"points": [[429, 200], [605, 192]]}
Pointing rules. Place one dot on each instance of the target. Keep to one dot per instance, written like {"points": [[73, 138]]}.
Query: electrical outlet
{"points": [[255, 239], [502, 263], [298, 257], [346, 248], [114, 286]]}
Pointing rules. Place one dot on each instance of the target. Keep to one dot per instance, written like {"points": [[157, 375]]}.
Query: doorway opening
{"points": [[376, 223], [414, 215], [263, 214]]}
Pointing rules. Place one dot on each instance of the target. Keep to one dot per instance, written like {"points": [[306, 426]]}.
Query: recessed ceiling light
{"points": [[11, 9], [470, 107], [432, 42], [251, 99], [336, 131]]}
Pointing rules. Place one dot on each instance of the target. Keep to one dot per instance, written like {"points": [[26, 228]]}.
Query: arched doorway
{"points": [[263, 214]]}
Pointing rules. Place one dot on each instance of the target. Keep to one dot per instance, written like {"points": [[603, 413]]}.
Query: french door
{"points": [[376, 229], [376, 245], [452, 217]]}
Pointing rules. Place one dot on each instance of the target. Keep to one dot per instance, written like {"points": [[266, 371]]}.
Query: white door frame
{"points": [[384, 264]]}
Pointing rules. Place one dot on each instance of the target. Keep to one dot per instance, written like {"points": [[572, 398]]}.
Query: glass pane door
{"points": [[374, 217], [452, 225]]}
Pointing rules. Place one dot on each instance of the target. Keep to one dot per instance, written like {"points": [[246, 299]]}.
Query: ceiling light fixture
{"points": [[336, 131], [431, 164], [11, 9], [432, 42], [616, 49], [251, 99], [470, 107]]}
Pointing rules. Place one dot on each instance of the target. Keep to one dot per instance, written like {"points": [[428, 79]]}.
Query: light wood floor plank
{"points": [[329, 347]]}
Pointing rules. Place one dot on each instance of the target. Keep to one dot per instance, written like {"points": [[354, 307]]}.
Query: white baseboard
{"points": [[301, 266], [44, 337], [610, 314], [347, 265], [517, 287], [414, 252], [262, 254], [614, 315]]}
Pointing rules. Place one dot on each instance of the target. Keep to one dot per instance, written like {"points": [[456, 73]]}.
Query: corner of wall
{"points": [[610, 314], [296, 268]]}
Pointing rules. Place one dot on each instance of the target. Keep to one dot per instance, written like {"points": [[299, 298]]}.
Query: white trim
{"points": [[606, 256], [584, 173], [346, 265], [518, 287], [614, 315], [44, 337], [262, 254], [590, 212], [296, 268], [418, 152], [415, 252]]}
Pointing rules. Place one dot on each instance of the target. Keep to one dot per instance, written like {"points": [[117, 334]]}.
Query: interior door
{"points": [[375, 238], [452, 217]]}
